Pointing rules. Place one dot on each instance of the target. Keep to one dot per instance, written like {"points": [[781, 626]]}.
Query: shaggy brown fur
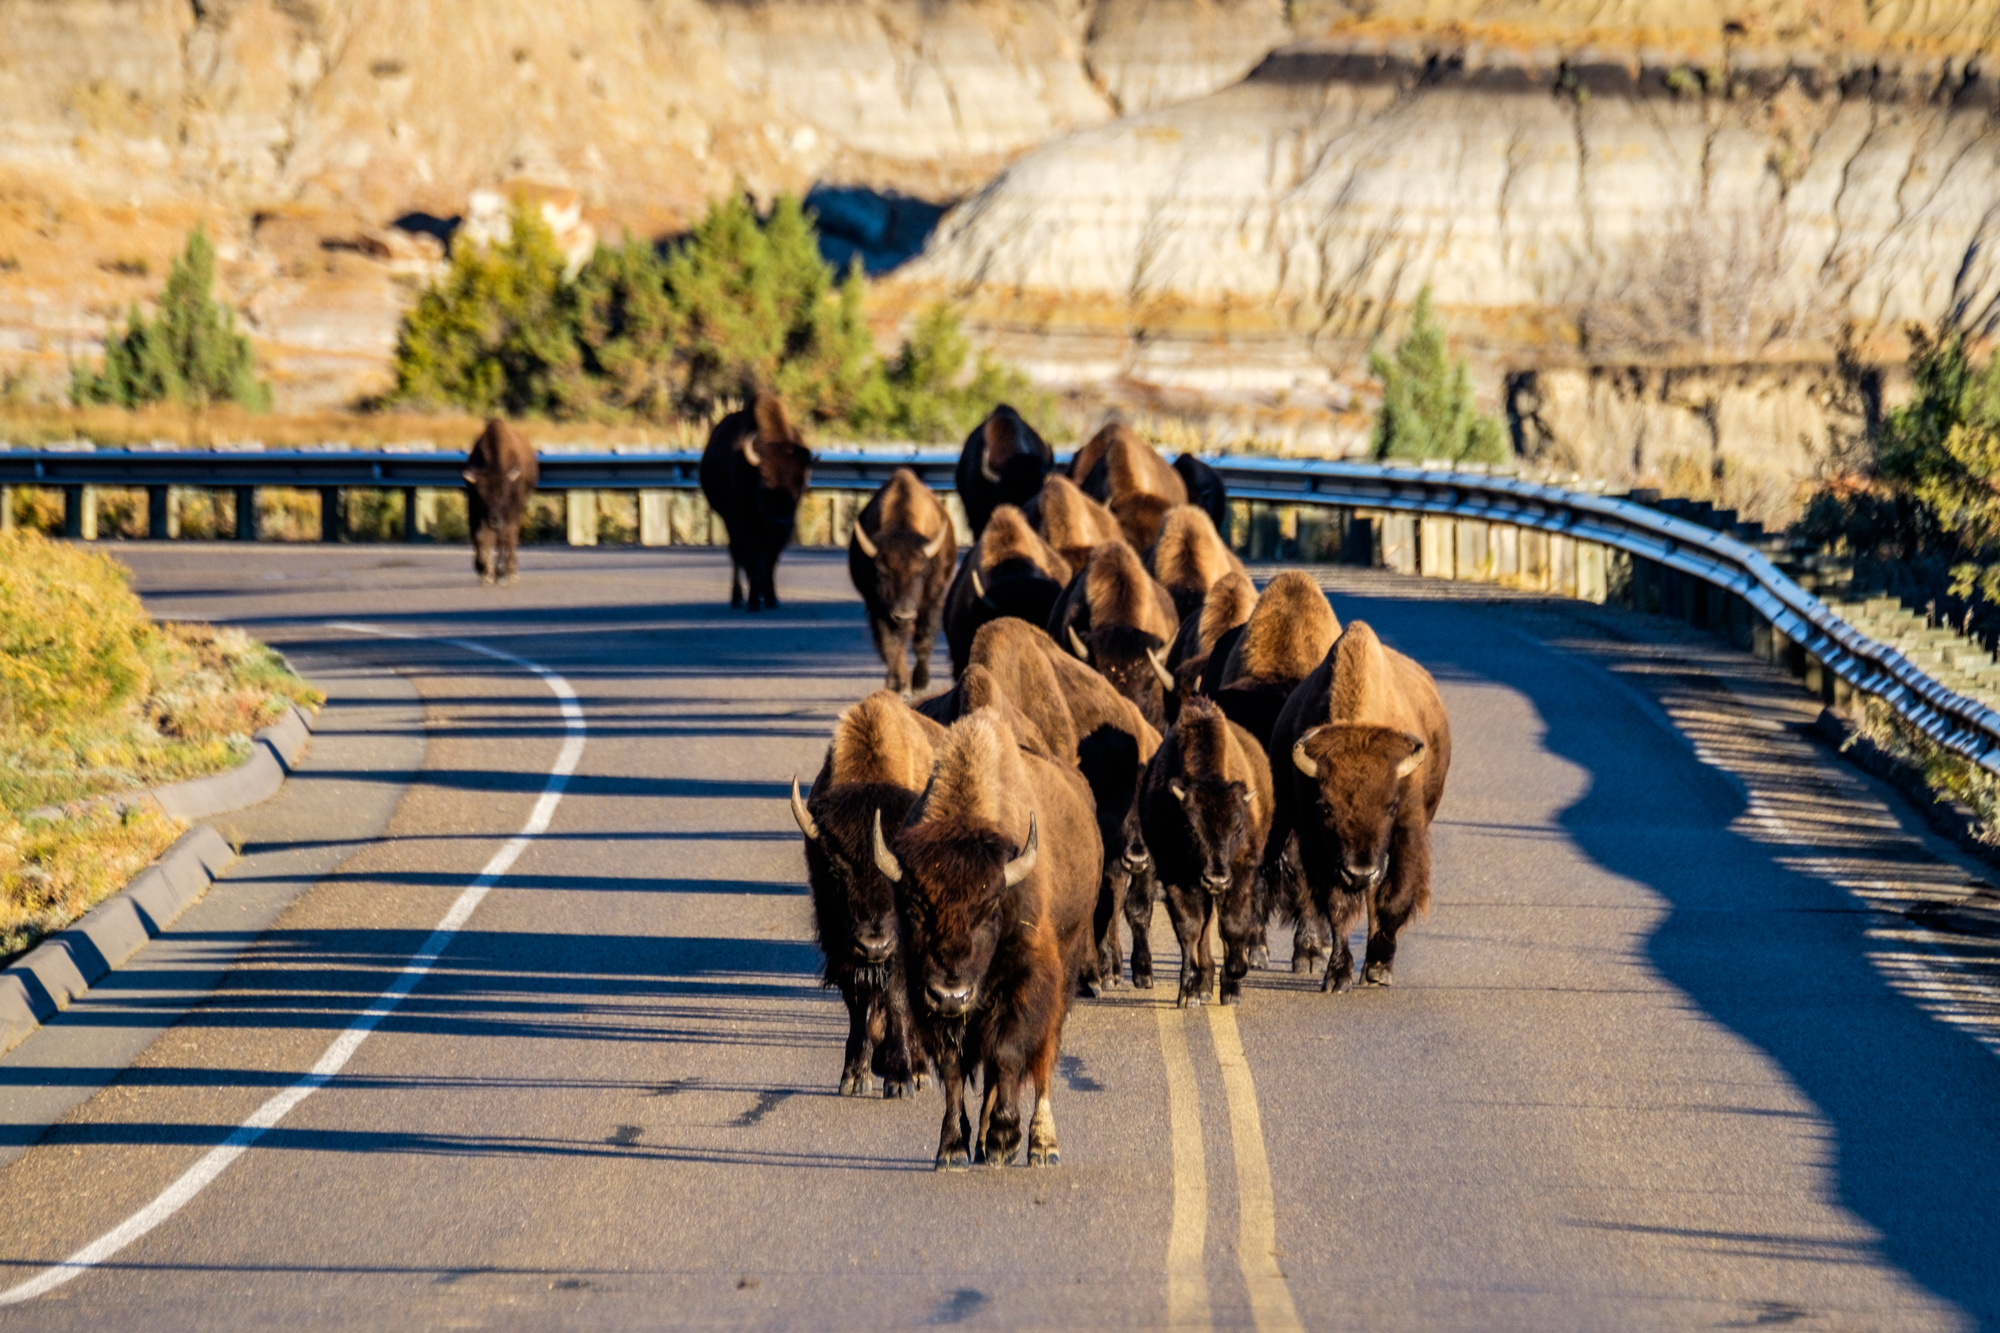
{"points": [[1134, 467], [1190, 556], [910, 506], [882, 739], [1370, 725], [1140, 517], [1119, 591], [1287, 635], [980, 688], [1230, 602], [1006, 649], [1072, 521], [1009, 537]]}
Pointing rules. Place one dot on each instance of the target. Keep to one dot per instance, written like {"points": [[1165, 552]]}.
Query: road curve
{"points": [[1653, 1060]]}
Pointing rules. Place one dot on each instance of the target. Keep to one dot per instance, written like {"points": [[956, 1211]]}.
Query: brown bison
{"points": [[1205, 489], [879, 761], [1071, 522], [1003, 462], [500, 476], [996, 874], [1287, 635], [1010, 571], [1206, 810], [1226, 608], [1120, 468], [1365, 748], [1116, 617], [753, 472], [900, 556], [1189, 557]]}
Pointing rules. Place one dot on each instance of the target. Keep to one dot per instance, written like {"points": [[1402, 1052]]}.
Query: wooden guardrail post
{"points": [[580, 511], [655, 518], [80, 513]]}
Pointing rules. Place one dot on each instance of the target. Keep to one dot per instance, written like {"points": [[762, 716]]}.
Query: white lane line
{"points": [[212, 1164], [1257, 1217], [1187, 1280]]}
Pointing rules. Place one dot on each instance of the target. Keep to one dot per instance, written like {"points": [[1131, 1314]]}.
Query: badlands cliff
{"points": [[1645, 220]]}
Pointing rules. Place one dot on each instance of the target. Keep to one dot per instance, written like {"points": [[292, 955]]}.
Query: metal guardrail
{"points": [[1954, 721]]}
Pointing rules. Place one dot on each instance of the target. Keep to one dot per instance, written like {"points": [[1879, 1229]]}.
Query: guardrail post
{"points": [[1436, 538], [581, 512], [413, 515], [1503, 541], [6, 508], [1534, 559], [332, 514], [156, 513], [80, 513], [655, 524], [1562, 564], [1471, 553], [1399, 543], [246, 513], [1592, 581]]}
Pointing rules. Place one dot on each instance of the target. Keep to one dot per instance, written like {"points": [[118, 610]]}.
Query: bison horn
{"points": [[934, 545], [471, 477], [1018, 868], [1411, 764], [1076, 645], [978, 588], [1166, 681], [986, 469], [750, 451], [1305, 762], [861, 540], [885, 860], [800, 813]]}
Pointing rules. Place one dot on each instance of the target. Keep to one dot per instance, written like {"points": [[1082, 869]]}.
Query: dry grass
{"points": [[41, 424], [95, 699]]}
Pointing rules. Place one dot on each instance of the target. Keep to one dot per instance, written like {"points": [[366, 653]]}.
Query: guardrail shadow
{"points": [[1782, 956]]}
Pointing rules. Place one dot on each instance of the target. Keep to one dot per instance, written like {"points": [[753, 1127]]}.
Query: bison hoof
{"points": [[954, 1159], [1044, 1156], [1377, 974], [1191, 1000], [1260, 956], [855, 1085], [923, 1081], [894, 1089], [1232, 994], [1088, 988], [1305, 964], [1142, 981], [1337, 979]]}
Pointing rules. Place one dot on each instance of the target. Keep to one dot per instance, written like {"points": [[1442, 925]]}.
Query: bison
{"points": [[878, 762], [1206, 811], [1114, 616], [1205, 489], [1224, 611], [1070, 521], [500, 476], [1120, 468], [1287, 635], [1189, 557], [1365, 748], [753, 472], [1003, 462], [996, 876], [900, 556], [1010, 571]]}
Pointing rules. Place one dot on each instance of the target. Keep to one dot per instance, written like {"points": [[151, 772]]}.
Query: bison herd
{"points": [[1130, 720]]}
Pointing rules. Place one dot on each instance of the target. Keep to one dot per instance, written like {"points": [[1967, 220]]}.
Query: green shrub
{"points": [[1427, 410], [189, 352], [72, 634], [927, 393]]}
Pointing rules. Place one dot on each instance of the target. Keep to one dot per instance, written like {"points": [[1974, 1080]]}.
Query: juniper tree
{"points": [[189, 352], [1427, 410]]}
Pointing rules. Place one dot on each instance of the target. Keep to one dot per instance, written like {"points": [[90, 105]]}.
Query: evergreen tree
{"points": [[189, 352], [1427, 409], [930, 396]]}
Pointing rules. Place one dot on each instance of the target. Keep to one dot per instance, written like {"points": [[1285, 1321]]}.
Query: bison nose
{"points": [[874, 950], [903, 617], [1137, 859], [949, 1000], [1364, 877], [1215, 884]]}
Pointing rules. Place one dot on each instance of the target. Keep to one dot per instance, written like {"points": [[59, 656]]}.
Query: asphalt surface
{"points": [[1653, 1060]]}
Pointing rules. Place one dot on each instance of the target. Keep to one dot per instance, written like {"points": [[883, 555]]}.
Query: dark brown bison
{"points": [[1223, 611], [1206, 810], [500, 477], [1287, 635], [879, 761], [1003, 462], [1116, 617], [1099, 730], [1120, 468], [1363, 747], [1018, 680], [996, 874], [1010, 571], [1189, 557], [753, 472], [1205, 489], [900, 556], [1070, 521]]}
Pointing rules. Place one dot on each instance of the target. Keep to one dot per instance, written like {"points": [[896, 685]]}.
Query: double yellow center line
{"points": [[1257, 1222]]}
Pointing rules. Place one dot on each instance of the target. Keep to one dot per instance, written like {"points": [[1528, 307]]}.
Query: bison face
{"points": [[841, 866], [1133, 661], [953, 888], [1359, 772], [902, 570], [1219, 823]]}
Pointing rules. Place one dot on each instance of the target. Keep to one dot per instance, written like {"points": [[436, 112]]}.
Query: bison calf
{"points": [[900, 557], [500, 476], [1206, 810]]}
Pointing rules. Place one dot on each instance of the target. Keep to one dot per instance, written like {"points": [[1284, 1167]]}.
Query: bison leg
{"points": [[1338, 915], [892, 642], [1189, 909], [510, 552], [1042, 1148], [923, 642], [484, 539], [1112, 891], [1408, 886], [854, 1080], [1000, 1126], [1241, 926], [955, 1139], [764, 565], [896, 1056], [1139, 917]]}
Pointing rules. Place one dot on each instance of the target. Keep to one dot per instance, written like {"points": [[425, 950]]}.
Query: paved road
{"points": [[1652, 1061]]}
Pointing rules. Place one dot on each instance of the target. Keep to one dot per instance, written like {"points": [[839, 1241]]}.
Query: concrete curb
{"points": [[68, 963]]}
